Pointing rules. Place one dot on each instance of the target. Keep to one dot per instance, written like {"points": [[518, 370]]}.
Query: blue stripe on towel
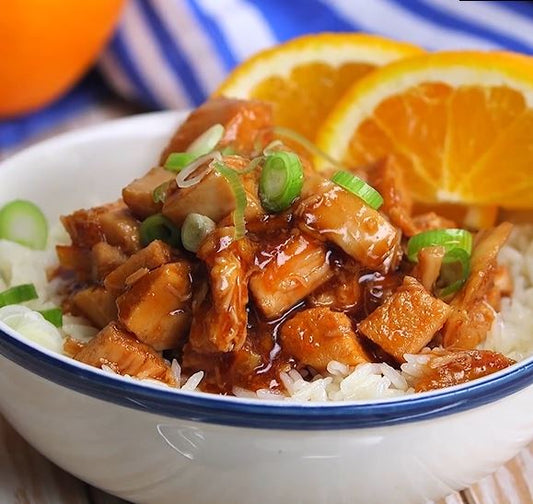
{"points": [[290, 19], [211, 27], [437, 16], [176, 61], [120, 48]]}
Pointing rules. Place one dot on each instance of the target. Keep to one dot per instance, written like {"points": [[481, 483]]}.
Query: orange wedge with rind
{"points": [[305, 77], [459, 124]]}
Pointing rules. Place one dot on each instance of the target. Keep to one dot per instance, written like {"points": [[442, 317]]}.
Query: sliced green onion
{"points": [[159, 227], [18, 294], [235, 183], [252, 165], [450, 239], [159, 194], [207, 141], [359, 187], [273, 147], [188, 176], [281, 181], [194, 229], [53, 315], [23, 222], [176, 161], [307, 145], [228, 151], [454, 272]]}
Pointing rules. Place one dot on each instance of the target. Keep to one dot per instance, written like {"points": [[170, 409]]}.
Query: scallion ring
{"points": [[454, 272], [159, 194], [450, 239], [207, 141], [359, 187], [185, 178], [176, 161], [18, 294], [273, 146], [281, 181], [194, 229], [159, 227], [53, 315], [233, 179], [23, 222]]}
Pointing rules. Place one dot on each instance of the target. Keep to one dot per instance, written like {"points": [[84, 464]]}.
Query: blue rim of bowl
{"points": [[272, 415]]}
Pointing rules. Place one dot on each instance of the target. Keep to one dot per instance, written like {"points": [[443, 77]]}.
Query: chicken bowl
{"points": [[322, 428]]}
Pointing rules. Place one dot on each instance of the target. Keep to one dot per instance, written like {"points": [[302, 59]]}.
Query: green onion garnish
{"points": [[53, 315], [23, 222], [281, 181], [176, 161], [194, 229], [207, 141], [159, 194], [18, 294], [450, 239], [454, 272], [159, 227], [359, 187], [235, 183]]}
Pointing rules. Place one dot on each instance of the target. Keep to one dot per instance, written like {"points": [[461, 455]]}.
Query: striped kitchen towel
{"points": [[174, 53]]}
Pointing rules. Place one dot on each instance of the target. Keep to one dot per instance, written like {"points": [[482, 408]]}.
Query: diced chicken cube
{"points": [[106, 258], [366, 235], [138, 195], [157, 307], [472, 316], [316, 336], [291, 271], [123, 353], [76, 259], [244, 121], [387, 178], [112, 223], [446, 368], [220, 314], [213, 196], [407, 321], [152, 256], [96, 304]]}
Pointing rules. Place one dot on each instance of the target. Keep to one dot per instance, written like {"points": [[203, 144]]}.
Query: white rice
{"points": [[511, 334]]}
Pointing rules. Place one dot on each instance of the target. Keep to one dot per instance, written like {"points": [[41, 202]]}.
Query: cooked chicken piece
{"points": [[105, 259], [150, 257], [200, 199], [446, 368], [387, 178], [96, 304], [123, 353], [220, 314], [138, 195], [342, 293], [289, 273], [244, 123], [430, 220], [503, 287], [427, 270], [366, 235], [112, 223], [472, 316], [157, 307], [407, 321], [317, 336], [76, 259]]}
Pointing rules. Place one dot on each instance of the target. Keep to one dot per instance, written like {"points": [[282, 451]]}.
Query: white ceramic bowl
{"points": [[153, 445]]}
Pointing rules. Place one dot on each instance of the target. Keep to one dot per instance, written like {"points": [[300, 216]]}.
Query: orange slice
{"points": [[305, 77], [459, 123]]}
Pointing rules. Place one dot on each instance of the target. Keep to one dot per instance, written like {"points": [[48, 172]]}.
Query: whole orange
{"points": [[46, 45]]}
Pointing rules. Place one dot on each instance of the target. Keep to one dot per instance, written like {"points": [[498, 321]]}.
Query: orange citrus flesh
{"points": [[47, 45], [459, 124], [304, 78]]}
